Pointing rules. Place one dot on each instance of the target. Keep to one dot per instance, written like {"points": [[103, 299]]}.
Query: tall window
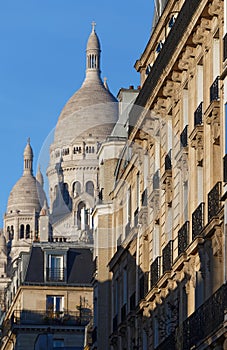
{"points": [[21, 231], [54, 305], [55, 270], [90, 188]]}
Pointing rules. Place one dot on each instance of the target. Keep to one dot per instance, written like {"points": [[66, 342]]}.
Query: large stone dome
{"points": [[92, 109]]}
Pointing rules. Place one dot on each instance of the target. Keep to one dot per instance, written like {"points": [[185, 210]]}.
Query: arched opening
{"points": [[28, 231], [11, 232], [66, 193], [82, 216], [21, 231], [76, 189], [90, 188]]}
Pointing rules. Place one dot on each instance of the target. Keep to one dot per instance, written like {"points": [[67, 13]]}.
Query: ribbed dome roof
{"points": [[26, 195], [92, 107]]}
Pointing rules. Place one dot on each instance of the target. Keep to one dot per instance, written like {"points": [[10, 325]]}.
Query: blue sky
{"points": [[42, 63]]}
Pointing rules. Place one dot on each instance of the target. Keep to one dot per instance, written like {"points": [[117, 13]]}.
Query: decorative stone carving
{"points": [[213, 119], [143, 216], [171, 90], [187, 60], [183, 165], [218, 242], [168, 188], [197, 143], [154, 201], [201, 35], [189, 270], [216, 8]]}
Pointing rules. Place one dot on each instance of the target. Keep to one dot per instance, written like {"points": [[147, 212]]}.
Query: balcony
{"points": [[27, 318], [198, 115], [183, 238], [55, 274], [214, 204], [155, 271], [167, 257], [214, 90], [184, 137], [197, 220], [203, 322], [156, 180], [168, 161], [123, 313]]}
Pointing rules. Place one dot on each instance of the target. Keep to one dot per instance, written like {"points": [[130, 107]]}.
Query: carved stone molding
{"points": [[162, 106], [182, 164], [218, 242], [197, 143], [167, 186], [143, 216], [216, 8], [213, 119], [189, 270], [187, 60], [154, 202], [201, 35], [171, 90]]}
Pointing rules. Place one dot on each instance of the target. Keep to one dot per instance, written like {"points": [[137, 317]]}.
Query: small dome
{"points": [[26, 195], [93, 41], [28, 153]]}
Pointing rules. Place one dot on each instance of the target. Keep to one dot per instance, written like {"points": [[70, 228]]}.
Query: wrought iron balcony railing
{"points": [[123, 313], [144, 198], [198, 115], [132, 301], [155, 271], [203, 322], [214, 204], [184, 137], [143, 285], [55, 274], [66, 318], [197, 220], [156, 180], [214, 90], [168, 160], [167, 257], [183, 238], [225, 48]]}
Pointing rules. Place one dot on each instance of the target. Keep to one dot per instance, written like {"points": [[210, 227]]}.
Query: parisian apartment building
{"points": [[128, 250]]}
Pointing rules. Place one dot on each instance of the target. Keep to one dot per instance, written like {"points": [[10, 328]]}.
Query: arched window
{"points": [[76, 188], [21, 231], [11, 232], [66, 193], [90, 188], [81, 216], [28, 231]]}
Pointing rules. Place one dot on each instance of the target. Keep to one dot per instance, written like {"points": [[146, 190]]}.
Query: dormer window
{"points": [[55, 271], [172, 21]]}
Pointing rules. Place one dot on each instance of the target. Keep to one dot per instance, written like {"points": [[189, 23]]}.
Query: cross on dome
{"points": [[93, 26]]}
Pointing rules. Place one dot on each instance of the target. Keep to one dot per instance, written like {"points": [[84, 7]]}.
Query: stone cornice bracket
{"points": [[189, 270], [143, 216], [154, 203], [171, 90], [197, 143], [187, 58], [177, 77], [201, 35], [179, 276], [162, 106], [216, 8]]}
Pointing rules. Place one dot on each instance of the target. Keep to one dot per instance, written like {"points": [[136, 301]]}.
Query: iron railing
{"points": [[184, 137], [214, 90], [156, 180], [67, 318], [168, 160], [167, 257], [198, 220], [55, 274], [198, 115], [183, 238], [214, 204], [155, 271], [203, 322]]}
